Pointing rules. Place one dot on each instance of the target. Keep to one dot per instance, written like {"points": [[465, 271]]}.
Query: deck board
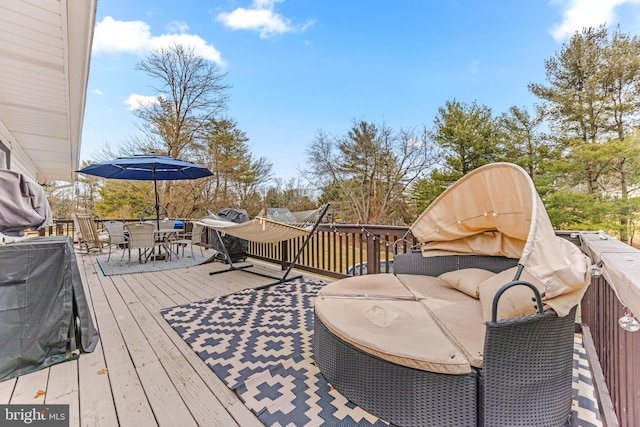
{"points": [[98, 407], [31, 388], [201, 401], [132, 407], [164, 381], [141, 372], [164, 399], [179, 348], [6, 390], [62, 389]]}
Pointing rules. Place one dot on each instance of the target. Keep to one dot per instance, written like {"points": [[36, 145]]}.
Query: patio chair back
{"points": [[191, 238], [167, 224], [167, 237], [116, 235], [141, 236], [88, 236]]}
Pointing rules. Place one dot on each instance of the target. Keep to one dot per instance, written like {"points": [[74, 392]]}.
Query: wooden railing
{"points": [[335, 250], [617, 350], [339, 250]]}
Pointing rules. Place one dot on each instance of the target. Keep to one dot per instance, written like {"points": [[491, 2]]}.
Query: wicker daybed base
{"points": [[525, 379], [398, 394], [526, 374]]}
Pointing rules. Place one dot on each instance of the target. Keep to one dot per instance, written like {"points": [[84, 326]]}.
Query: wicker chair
{"points": [[141, 236], [401, 395], [526, 372]]}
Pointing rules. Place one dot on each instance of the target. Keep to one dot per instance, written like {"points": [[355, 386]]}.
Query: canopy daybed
{"points": [[475, 327]]}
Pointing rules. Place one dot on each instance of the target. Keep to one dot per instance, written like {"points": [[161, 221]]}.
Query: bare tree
{"points": [[366, 173], [191, 92]]}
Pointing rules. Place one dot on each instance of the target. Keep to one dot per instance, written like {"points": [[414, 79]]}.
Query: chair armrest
{"points": [[496, 298]]}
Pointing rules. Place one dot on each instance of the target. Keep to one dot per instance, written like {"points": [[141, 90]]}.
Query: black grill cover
{"points": [[44, 315], [236, 247]]}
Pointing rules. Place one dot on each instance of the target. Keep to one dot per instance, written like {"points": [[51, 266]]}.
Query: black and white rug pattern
{"points": [[259, 343], [584, 407]]}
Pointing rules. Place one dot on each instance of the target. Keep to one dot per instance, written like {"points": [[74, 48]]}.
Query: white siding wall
{"points": [[19, 160]]}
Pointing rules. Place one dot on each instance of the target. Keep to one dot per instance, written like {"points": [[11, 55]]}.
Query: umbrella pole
{"points": [[155, 190]]}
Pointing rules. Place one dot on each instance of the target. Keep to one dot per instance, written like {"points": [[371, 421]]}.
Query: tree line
{"points": [[579, 144]]}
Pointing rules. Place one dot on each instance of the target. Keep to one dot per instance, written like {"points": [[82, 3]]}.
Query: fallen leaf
{"points": [[39, 393], [103, 371]]}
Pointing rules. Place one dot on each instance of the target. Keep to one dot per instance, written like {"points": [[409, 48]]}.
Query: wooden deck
{"points": [[141, 373]]}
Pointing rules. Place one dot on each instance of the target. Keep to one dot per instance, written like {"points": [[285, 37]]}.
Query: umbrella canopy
{"points": [[495, 210], [147, 168]]}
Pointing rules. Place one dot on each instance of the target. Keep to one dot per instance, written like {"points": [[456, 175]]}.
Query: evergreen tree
{"points": [[467, 137], [591, 101]]}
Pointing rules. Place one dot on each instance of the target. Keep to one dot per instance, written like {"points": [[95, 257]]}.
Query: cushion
{"points": [[384, 285], [515, 302], [462, 322], [431, 287], [466, 280], [399, 331]]}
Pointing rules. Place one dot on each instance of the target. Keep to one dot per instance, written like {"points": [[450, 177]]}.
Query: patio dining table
{"points": [[164, 238]]}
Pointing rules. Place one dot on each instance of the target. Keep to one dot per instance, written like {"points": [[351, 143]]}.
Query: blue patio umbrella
{"points": [[147, 168]]}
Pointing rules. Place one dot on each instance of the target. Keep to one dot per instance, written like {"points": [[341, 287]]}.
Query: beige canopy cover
{"points": [[495, 210]]}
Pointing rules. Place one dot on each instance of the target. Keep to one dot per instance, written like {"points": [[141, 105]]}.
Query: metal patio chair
{"points": [[117, 237]]}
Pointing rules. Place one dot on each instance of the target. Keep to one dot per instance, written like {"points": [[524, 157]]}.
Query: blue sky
{"points": [[299, 66]]}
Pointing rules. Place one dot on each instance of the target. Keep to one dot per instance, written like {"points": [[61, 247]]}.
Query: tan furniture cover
{"points": [[261, 230], [379, 313], [400, 331], [384, 285], [495, 210]]}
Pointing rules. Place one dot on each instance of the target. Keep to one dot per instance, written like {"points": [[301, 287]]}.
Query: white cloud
{"points": [[579, 14], [178, 27], [136, 101], [97, 91], [262, 18], [135, 37], [416, 143], [265, 4]]}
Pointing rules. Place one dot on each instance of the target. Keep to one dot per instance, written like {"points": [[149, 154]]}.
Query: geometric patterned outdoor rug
{"points": [[584, 408], [118, 265], [259, 343]]}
